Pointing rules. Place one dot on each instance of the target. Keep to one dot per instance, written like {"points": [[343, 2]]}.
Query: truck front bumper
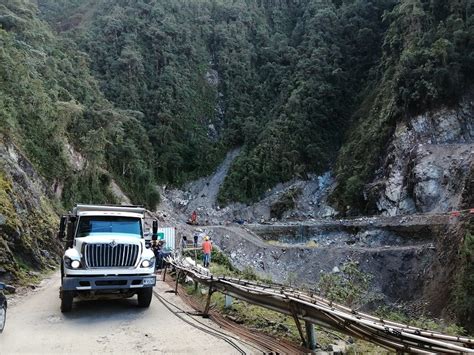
{"points": [[85, 283]]}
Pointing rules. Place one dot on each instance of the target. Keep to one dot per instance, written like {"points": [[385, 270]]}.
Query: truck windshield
{"points": [[92, 225]]}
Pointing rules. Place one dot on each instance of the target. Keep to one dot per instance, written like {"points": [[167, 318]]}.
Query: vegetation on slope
{"points": [[464, 292], [152, 57], [25, 241], [49, 99], [288, 78], [427, 61], [296, 80]]}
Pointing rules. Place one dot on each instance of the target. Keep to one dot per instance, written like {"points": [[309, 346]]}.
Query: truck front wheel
{"points": [[144, 297], [67, 297]]}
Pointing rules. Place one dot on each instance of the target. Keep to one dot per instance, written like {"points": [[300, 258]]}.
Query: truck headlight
{"points": [[148, 263], [71, 264]]}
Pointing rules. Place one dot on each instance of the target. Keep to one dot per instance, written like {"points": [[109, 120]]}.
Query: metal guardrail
{"points": [[302, 305]]}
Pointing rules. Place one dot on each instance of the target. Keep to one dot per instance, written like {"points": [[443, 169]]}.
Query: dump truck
{"points": [[106, 255]]}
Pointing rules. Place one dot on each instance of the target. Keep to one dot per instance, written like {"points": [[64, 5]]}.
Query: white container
{"points": [[169, 235]]}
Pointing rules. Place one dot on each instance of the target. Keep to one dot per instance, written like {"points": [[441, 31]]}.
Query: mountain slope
{"points": [[281, 81], [49, 102], [427, 61], [61, 141], [292, 83], [99, 97]]}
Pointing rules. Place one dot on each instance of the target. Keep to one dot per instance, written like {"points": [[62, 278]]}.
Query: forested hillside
{"points": [[427, 62], [50, 106], [158, 91], [288, 75], [291, 82], [105, 98]]}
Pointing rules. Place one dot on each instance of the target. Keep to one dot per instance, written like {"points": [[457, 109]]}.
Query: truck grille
{"points": [[110, 254]]}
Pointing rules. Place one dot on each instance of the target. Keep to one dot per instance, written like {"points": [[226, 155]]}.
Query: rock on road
{"points": [[35, 325]]}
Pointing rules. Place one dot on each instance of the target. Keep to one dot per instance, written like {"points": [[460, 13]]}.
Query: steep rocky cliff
{"points": [[429, 168], [28, 219], [427, 163]]}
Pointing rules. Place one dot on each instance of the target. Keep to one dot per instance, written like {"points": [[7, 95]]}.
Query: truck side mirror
{"points": [[154, 236], [62, 227], [70, 228]]}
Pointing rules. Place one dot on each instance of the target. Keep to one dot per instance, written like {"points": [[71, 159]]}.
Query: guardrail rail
{"points": [[313, 309]]}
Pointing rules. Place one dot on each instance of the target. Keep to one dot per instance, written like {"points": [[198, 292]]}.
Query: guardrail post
{"points": [[310, 335], [177, 281], [293, 309], [205, 314], [228, 301]]}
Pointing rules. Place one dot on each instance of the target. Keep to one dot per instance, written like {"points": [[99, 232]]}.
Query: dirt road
{"points": [[35, 325]]}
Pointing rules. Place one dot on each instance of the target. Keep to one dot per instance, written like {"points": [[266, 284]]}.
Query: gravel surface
{"points": [[35, 325]]}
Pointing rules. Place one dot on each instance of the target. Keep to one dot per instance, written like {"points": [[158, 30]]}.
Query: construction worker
{"points": [[196, 237], [184, 242], [157, 247], [194, 218], [206, 250]]}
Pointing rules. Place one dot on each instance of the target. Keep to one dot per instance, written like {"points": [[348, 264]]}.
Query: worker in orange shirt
{"points": [[206, 249]]}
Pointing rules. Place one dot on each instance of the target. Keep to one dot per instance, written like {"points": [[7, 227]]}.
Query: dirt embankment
{"points": [[396, 263], [414, 260]]}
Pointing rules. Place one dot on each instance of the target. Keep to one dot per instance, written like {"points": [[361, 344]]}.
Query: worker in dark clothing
{"points": [[157, 248], [196, 237]]}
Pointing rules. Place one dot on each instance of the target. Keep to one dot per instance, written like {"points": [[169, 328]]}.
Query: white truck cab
{"points": [[106, 254]]}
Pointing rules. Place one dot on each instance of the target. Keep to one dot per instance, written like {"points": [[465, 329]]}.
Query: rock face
{"points": [[427, 163], [27, 219], [395, 256], [118, 193], [201, 196]]}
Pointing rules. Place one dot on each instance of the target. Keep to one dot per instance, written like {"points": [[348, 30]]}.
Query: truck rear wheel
{"points": [[144, 297], [67, 297]]}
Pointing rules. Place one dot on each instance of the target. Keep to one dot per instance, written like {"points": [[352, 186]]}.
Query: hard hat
{"points": [[206, 238]]}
